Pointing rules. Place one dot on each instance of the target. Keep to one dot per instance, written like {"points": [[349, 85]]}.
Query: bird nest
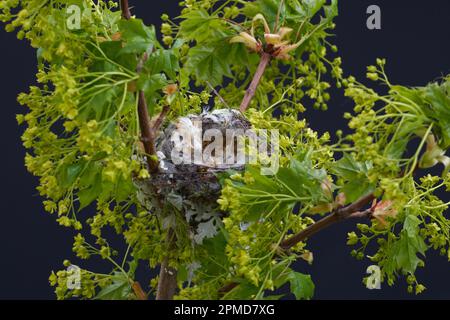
{"points": [[187, 177]]}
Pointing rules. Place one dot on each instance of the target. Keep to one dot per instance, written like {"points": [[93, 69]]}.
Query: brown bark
{"points": [[148, 135], [125, 9], [167, 284], [250, 93], [351, 211], [168, 276]]}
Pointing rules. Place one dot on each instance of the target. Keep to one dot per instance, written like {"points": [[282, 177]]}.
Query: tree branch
{"points": [[348, 212], [125, 9], [167, 284], [148, 134], [250, 93]]}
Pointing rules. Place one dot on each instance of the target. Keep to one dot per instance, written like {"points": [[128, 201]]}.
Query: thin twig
{"points": [[218, 95], [158, 122], [250, 93], [351, 211]]}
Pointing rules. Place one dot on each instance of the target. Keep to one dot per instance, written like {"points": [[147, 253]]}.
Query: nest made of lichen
{"points": [[195, 180], [192, 188]]}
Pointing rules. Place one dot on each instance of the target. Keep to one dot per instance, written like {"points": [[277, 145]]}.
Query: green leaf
{"points": [[137, 36], [438, 108], [411, 225], [354, 175], [260, 197], [198, 25], [39, 57], [331, 11], [152, 86], [119, 289], [132, 266], [243, 291], [215, 260], [70, 172], [182, 273], [309, 179], [434, 102], [163, 60], [409, 245], [116, 52], [120, 191], [347, 167], [268, 8], [209, 63], [307, 8], [90, 185], [301, 285], [294, 12], [302, 180], [404, 133], [298, 183], [101, 105], [176, 200], [239, 55]]}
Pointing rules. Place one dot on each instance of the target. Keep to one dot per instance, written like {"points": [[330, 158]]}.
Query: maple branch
{"points": [[167, 284], [250, 93], [125, 9], [148, 134], [341, 214]]}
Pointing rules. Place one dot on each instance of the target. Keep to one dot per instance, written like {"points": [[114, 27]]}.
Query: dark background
{"points": [[414, 38]]}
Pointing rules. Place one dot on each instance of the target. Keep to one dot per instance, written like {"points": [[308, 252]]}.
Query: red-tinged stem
{"points": [[138, 291], [250, 93]]}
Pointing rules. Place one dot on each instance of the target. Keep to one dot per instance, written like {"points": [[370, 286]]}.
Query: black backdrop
{"points": [[414, 38]]}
